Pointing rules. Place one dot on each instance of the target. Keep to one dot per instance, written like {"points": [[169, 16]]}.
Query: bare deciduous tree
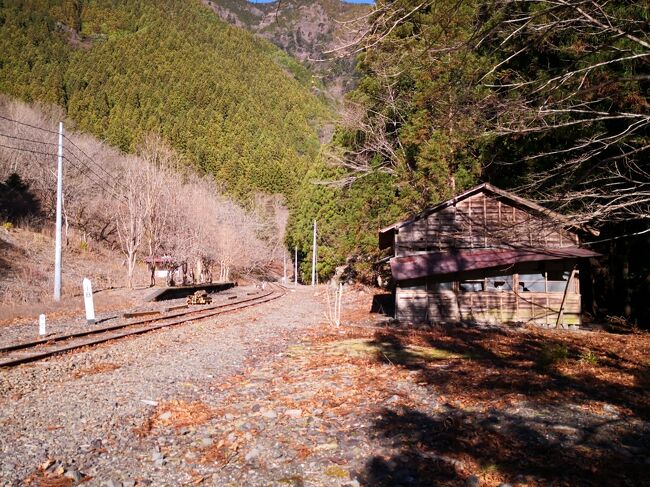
{"points": [[131, 215]]}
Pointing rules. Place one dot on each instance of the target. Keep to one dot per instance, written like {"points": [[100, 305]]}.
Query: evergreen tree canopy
{"points": [[224, 99]]}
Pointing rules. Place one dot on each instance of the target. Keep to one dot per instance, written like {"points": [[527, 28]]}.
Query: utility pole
{"points": [[295, 267], [59, 203], [313, 259]]}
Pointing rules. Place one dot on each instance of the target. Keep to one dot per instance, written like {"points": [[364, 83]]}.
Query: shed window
{"points": [[533, 283], [499, 283], [472, 286], [440, 286], [557, 281]]}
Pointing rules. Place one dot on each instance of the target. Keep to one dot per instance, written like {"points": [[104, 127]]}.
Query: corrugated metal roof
{"points": [[433, 264]]}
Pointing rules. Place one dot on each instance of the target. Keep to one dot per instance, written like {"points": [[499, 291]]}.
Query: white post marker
{"points": [[88, 301], [41, 325]]}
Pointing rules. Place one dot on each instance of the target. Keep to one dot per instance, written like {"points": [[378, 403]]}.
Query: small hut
{"points": [[486, 256]]}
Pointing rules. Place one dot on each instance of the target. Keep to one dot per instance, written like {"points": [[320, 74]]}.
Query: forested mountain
{"points": [[226, 100], [305, 29]]}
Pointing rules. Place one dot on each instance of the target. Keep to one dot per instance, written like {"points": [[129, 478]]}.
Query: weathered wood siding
{"points": [[481, 221], [421, 306]]}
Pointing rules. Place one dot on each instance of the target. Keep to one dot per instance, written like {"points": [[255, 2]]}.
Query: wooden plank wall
{"points": [[481, 221], [419, 305]]}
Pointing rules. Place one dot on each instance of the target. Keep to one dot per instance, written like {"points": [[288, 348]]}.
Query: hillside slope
{"points": [[305, 29], [220, 96]]}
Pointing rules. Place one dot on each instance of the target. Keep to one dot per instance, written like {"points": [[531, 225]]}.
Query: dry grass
{"points": [[95, 369], [176, 414], [27, 266]]}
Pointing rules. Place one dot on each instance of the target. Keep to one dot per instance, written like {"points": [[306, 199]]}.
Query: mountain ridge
{"points": [[304, 29]]}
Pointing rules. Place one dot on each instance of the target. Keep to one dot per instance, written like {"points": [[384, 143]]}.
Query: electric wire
{"points": [[27, 140], [28, 150], [28, 125], [108, 183], [93, 161], [113, 178], [95, 181], [100, 180]]}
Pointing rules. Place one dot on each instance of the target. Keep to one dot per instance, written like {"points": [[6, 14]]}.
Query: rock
{"points": [[206, 442], [393, 399], [54, 466], [165, 416], [96, 444], [293, 413], [149, 402], [505, 485], [157, 456], [111, 483], [472, 481], [129, 483], [327, 446], [608, 408], [229, 417], [270, 414], [256, 408], [252, 455], [75, 475]]}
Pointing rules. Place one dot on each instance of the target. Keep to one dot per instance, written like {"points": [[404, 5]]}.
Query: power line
{"points": [[92, 160], [95, 181], [618, 237], [115, 180], [93, 171], [28, 140], [98, 181], [27, 125], [28, 150]]}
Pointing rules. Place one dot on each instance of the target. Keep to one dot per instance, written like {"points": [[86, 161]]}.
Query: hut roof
{"points": [[436, 264]]}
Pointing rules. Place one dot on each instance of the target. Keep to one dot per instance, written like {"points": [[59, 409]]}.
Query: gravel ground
{"points": [[274, 396], [85, 410]]}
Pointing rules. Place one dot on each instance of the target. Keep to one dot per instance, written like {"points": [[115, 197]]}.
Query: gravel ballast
{"points": [[82, 411]]}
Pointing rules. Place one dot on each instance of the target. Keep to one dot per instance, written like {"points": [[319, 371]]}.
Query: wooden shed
{"points": [[488, 256]]}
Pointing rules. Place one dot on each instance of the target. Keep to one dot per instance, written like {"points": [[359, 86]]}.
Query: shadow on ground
{"points": [[509, 411]]}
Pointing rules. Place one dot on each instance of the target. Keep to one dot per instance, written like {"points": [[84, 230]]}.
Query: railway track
{"points": [[31, 351]]}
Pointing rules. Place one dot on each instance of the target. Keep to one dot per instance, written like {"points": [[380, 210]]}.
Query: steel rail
{"points": [[112, 333]]}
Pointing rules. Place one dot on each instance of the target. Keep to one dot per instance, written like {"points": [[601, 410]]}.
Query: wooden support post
{"points": [[560, 313]]}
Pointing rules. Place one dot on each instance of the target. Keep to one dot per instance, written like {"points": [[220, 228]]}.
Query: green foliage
{"points": [[588, 357], [219, 95], [348, 219], [420, 107]]}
